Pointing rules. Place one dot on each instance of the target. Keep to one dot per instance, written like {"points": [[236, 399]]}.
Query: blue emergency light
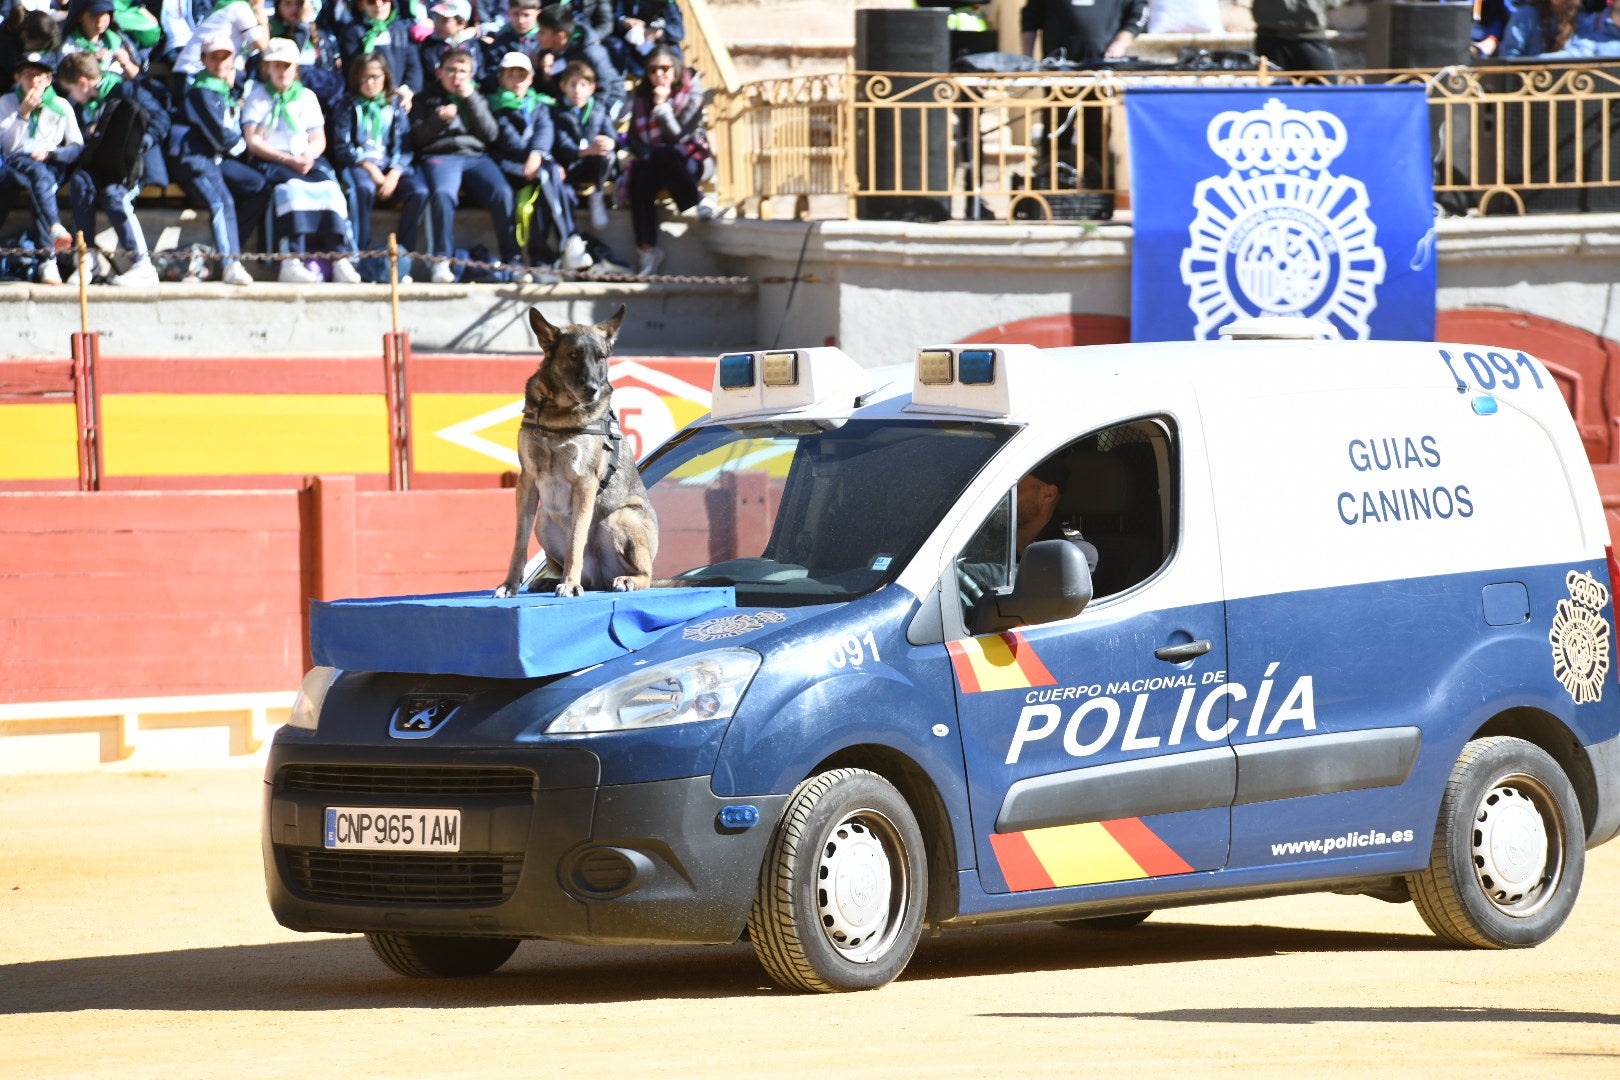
{"points": [[737, 371], [1485, 405], [739, 817], [976, 367]]}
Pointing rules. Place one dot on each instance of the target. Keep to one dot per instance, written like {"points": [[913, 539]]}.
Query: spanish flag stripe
{"points": [[1151, 853], [1019, 865], [963, 664], [1082, 855], [1028, 662]]}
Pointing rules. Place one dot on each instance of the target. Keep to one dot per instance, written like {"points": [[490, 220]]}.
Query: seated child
{"points": [[209, 155], [453, 133], [371, 146], [286, 135], [453, 29], [90, 30], [585, 144], [520, 34], [89, 89], [524, 155], [375, 29], [39, 141]]}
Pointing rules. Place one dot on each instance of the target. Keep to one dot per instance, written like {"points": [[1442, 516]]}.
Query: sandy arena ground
{"points": [[135, 942]]}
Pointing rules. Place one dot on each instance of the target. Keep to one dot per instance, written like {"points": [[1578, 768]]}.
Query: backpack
{"points": [[113, 154]]}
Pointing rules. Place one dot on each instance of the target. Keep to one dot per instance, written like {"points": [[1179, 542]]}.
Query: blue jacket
{"points": [[574, 126], [524, 130], [395, 46], [348, 135]]}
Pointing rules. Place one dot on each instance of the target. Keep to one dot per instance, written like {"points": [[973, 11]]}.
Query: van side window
{"points": [[1115, 488]]}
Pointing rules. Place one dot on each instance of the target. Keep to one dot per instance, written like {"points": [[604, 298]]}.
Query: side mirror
{"points": [[1053, 583]]}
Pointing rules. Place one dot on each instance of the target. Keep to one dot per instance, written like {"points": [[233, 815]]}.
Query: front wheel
{"points": [[419, 956], [843, 887], [1508, 851]]}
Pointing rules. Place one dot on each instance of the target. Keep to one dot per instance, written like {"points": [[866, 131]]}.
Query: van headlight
{"points": [[707, 686], [306, 710]]}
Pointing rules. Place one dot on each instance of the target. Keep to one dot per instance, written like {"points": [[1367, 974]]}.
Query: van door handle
{"points": [[1179, 654]]}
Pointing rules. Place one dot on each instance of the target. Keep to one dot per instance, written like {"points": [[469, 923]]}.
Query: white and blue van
{"points": [[1350, 629]]}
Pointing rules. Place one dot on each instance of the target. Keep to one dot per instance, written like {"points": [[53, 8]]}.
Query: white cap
{"points": [[215, 43], [453, 9], [280, 50], [517, 60]]}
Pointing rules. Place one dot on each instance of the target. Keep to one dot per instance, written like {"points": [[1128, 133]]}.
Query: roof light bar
{"points": [[976, 379], [776, 381]]}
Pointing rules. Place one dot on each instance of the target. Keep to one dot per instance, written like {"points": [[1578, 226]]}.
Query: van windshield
{"points": [[793, 514]]}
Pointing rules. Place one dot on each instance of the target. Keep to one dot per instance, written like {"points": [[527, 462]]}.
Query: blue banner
{"points": [[1313, 201]]}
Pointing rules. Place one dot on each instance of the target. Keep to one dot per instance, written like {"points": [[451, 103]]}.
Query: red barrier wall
{"points": [[113, 594]]}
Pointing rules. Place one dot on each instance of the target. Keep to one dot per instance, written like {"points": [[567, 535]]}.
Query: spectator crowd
{"points": [[288, 122]]}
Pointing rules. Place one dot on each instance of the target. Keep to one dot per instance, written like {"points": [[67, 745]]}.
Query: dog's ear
{"points": [[544, 332], [610, 328]]}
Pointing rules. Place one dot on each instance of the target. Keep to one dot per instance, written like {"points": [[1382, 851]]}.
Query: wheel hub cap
{"points": [[1511, 849], [855, 888]]}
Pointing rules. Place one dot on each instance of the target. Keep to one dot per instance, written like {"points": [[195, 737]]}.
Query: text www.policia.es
{"points": [[1347, 842]]}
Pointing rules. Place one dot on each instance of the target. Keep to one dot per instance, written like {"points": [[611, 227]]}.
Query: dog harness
{"points": [[606, 426]]}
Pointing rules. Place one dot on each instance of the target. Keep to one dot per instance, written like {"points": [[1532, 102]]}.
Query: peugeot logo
{"points": [[418, 717]]}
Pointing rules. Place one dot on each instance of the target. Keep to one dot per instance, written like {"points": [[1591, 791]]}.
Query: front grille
{"points": [[386, 877], [408, 779]]}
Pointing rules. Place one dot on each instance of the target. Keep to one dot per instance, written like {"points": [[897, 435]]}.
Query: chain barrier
{"points": [[543, 275]]}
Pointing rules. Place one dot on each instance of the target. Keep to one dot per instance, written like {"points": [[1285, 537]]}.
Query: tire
{"points": [[1106, 922], [1508, 852], [843, 886], [420, 957]]}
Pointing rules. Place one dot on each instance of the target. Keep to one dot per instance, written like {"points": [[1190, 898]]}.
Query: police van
{"points": [[1349, 628]]}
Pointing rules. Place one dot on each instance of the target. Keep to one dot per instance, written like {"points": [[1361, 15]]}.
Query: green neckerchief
{"points": [[376, 29], [212, 82], [280, 101], [47, 100], [503, 100], [110, 39], [92, 108], [371, 116], [585, 111]]}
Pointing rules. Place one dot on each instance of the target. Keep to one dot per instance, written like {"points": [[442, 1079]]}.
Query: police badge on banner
{"points": [[1312, 201]]}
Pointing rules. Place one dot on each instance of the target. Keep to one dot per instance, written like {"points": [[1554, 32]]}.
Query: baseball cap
{"points": [[453, 9], [517, 60], [46, 61], [215, 43], [1051, 471], [97, 7], [280, 51]]}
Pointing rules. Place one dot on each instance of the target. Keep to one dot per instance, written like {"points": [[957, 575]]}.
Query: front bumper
{"points": [[546, 851]]}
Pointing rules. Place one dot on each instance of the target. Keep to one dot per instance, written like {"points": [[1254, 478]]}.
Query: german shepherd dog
{"points": [[579, 490]]}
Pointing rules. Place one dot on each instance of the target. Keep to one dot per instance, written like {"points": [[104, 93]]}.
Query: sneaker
{"points": [[443, 274], [406, 279], [94, 264], [707, 208], [574, 255], [61, 239], [649, 262], [294, 272], [236, 274], [344, 272], [141, 274], [599, 210], [49, 273], [522, 277]]}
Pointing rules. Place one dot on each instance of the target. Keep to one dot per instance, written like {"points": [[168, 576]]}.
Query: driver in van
{"points": [[1039, 493]]}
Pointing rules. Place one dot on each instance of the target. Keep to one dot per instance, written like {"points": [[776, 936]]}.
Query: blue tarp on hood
{"points": [[516, 637]]}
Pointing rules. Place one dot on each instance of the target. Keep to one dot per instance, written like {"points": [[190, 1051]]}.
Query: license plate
{"points": [[392, 829]]}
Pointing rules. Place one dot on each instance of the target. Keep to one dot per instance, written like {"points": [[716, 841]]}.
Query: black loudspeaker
{"points": [[899, 148], [1423, 35]]}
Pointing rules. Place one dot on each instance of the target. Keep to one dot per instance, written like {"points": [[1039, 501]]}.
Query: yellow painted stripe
{"points": [[1082, 855], [236, 434], [993, 663], [39, 442], [432, 413]]}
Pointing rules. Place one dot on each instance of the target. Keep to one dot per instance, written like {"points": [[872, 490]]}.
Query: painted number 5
{"points": [[852, 651]]}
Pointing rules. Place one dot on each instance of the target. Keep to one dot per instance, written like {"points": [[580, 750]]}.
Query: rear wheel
{"points": [[1106, 922], [418, 956], [843, 887], [1508, 851]]}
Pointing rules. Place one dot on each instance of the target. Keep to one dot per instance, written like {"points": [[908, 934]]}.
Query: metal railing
{"points": [[705, 49], [1506, 139]]}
